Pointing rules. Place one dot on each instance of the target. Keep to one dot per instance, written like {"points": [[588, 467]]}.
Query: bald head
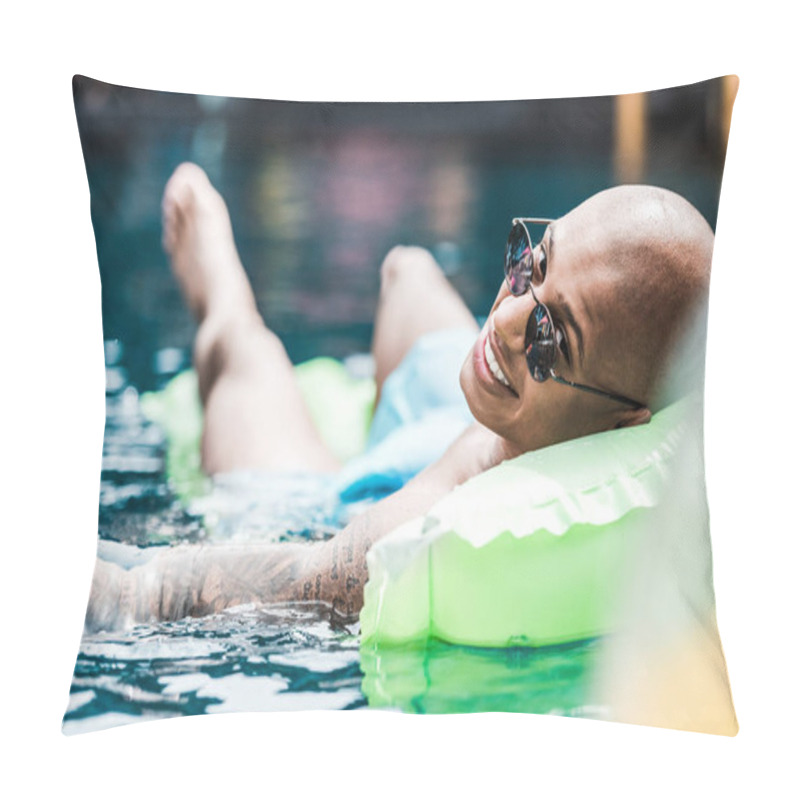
{"points": [[655, 248], [623, 277]]}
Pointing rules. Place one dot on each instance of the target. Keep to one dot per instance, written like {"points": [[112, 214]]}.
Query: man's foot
{"points": [[198, 238]]}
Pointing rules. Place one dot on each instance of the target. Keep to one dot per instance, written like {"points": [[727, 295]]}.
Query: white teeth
{"points": [[493, 365]]}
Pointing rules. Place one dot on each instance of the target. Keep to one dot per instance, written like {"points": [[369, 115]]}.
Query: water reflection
{"points": [[244, 660], [435, 677]]}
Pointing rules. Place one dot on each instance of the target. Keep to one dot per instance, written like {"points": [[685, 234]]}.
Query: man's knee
{"points": [[408, 263], [233, 344]]}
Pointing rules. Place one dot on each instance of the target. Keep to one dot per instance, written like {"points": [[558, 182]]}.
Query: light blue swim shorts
{"points": [[421, 411]]}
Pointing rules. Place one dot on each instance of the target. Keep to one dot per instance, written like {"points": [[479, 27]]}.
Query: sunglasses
{"points": [[541, 348]]}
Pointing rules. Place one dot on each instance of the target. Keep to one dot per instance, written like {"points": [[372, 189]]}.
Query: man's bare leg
{"points": [[415, 298], [255, 416]]}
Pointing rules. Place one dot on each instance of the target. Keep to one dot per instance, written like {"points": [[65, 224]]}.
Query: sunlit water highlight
{"points": [[246, 660]]}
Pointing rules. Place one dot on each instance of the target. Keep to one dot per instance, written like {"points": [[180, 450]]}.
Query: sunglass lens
{"points": [[540, 346], [519, 260]]}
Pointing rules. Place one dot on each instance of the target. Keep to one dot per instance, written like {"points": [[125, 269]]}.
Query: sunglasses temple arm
{"points": [[533, 220], [583, 387]]}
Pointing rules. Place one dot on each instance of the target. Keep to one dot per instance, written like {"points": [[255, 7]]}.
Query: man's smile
{"points": [[493, 365], [488, 369]]}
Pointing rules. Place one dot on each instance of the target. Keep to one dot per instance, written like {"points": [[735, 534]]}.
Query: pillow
{"points": [[573, 579]]}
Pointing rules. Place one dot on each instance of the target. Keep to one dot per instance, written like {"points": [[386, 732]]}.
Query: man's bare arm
{"points": [[194, 581], [336, 571]]}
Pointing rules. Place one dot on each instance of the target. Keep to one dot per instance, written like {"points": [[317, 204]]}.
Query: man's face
{"points": [[574, 276]]}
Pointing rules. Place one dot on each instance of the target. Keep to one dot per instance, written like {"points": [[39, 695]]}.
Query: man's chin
{"points": [[470, 390], [467, 381]]}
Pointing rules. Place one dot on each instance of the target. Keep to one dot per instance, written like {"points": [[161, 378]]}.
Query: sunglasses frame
{"points": [[550, 373]]}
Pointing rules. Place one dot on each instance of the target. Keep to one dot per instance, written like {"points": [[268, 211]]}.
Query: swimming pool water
{"points": [[277, 658], [249, 660]]}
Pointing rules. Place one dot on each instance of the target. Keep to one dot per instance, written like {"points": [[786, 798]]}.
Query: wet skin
{"points": [[572, 276]]}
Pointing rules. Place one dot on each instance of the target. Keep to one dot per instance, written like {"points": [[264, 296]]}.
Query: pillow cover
{"points": [[559, 564]]}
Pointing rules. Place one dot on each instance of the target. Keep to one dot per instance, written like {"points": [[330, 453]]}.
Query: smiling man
{"points": [[577, 341], [616, 280]]}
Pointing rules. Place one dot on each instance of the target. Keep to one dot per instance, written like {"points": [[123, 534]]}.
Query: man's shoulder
{"points": [[474, 451]]}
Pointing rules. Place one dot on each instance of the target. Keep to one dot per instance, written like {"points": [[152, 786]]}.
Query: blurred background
{"points": [[318, 193]]}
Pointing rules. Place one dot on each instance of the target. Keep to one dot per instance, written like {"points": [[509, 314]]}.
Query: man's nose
{"points": [[511, 319]]}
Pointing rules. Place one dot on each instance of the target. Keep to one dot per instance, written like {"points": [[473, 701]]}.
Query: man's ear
{"points": [[634, 416]]}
